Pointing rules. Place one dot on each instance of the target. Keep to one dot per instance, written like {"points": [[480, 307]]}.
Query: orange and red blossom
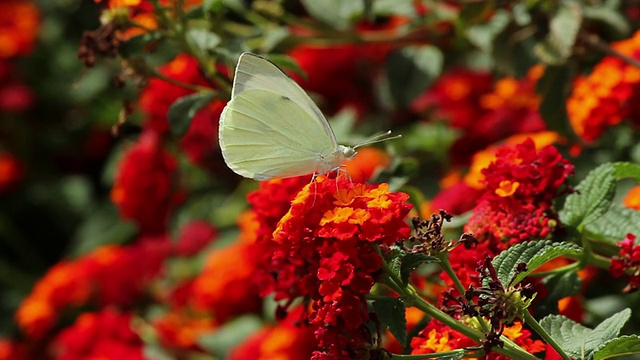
{"points": [[608, 95], [145, 186], [321, 249], [437, 337], [520, 186], [107, 334], [627, 262]]}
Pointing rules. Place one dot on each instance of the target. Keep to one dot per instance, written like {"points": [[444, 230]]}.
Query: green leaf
{"points": [[625, 170], [483, 35], [568, 334], [579, 341], [202, 40], [229, 335], [411, 70], [100, 227], [624, 345], [395, 259], [592, 198], [614, 225], [553, 88], [183, 110], [609, 16], [337, 13], [391, 312], [534, 254], [411, 262], [563, 32]]}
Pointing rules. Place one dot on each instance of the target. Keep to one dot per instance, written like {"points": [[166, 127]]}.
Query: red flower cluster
{"points": [[201, 140], [19, 26], [608, 95], [627, 263], [437, 337], [485, 115], [104, 335], [145, 185], [516, 205], [347, 67], [322, 250], [111, 275], [225, 287]]}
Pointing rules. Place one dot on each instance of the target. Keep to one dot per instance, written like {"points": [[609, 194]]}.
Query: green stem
{"points": [[533, 323], [410, 296], [185, 85], [446, 266]]}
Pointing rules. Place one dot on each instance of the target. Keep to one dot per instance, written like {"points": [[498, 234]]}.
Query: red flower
{"points": [[517, 202], [437, 337], [484, 115], [608, 95], [201, 140], [225, 287], [322, 250], [19, 26], [120, 275], [11, 172], [195, 236], [627, 263], [105, 335], [145, 185]]}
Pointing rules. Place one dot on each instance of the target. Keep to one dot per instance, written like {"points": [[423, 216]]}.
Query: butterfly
{"points": [[272, 129]]}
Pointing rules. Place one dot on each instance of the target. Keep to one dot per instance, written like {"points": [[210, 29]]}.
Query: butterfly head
{"points": [[346, 152]]}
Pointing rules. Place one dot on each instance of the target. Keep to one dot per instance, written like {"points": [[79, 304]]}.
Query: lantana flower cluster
{"points": [[324, 250], [608, 95], [516, 204]]}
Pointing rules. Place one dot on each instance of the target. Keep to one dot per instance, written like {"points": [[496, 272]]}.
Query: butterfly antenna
{"points": [[378, 138]]}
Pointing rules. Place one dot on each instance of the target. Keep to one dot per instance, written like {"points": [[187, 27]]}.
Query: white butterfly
{"points": [[272, 129]]}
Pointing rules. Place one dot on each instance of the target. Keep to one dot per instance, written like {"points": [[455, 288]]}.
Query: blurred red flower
{"points": [[610, 94], [19, 27], [145, 186], [106, 334], [200, 143], [11, 172]]}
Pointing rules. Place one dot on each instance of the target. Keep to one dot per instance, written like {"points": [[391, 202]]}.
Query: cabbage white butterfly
{"points": [[272, 129]]}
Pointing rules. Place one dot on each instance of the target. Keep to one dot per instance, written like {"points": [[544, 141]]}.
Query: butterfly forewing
{"points": [[256, 72], [264, 134]]}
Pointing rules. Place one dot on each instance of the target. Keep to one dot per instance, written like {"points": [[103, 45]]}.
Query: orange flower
{"points": [[225, 287], [64, 284], [19, 26], [632, 199], [606, 96], [483, 158], [368, 160], [181, 329]]}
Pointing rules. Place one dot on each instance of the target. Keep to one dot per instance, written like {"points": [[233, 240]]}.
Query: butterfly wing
{"points": [[256, 72], [264, 134]]}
